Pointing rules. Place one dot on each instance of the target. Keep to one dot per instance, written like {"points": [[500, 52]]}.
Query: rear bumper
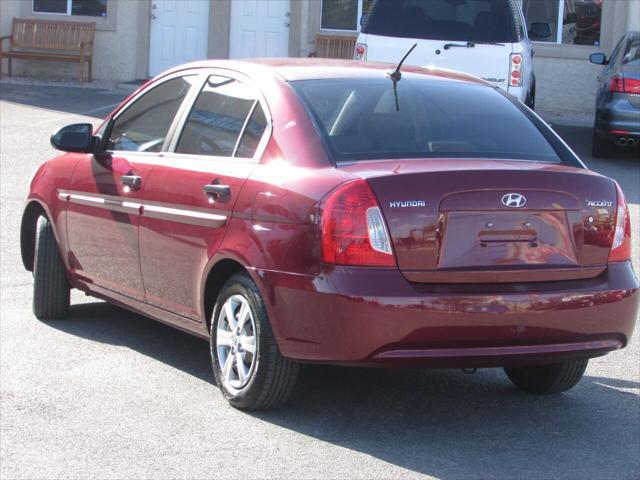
{"points": [[619, 115], [369, 316], [534, 354]]}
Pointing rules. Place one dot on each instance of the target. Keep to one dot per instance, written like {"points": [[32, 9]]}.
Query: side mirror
{"points": [[598, 59], [74, 138], [539, 30]]}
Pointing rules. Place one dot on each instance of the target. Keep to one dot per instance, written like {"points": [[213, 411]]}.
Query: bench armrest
{"points": [[2, 39]]}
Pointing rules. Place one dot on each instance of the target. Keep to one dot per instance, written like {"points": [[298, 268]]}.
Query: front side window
{"points": [[226, 120], [571, 22], [144, 125], [459, 20], [343, 14], [89, 8], [433, 118]]}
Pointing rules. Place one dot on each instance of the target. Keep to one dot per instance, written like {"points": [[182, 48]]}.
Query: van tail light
{"points": [[515, 70], [621, 245], [620, 84], [353, 230], [360, 52]]}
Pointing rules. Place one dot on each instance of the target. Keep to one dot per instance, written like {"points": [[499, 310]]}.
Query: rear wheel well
{"points": [[32, 212], [217, 277]]}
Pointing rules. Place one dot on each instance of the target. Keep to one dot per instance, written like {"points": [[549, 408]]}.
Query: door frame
{"points": [[219, 33]]}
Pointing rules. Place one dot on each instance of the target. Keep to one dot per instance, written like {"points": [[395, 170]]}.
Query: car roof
{"points": [[294, 69]]}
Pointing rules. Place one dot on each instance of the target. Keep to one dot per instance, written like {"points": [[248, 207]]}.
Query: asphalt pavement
{"points": [[109, 394]]}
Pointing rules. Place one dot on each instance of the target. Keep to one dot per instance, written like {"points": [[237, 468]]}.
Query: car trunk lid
{"points": [[494, 221]]}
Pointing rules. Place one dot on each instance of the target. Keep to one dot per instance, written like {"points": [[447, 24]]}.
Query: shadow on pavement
{"points": [[436, 422], [76, 100], [105, 323]]}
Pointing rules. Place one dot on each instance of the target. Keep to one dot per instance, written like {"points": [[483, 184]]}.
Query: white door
{"points": [[179, 33], [259, 28]]}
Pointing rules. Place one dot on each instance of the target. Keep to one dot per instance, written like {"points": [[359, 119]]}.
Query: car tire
{"points": [[600, 147], [547, 379], [258, 377], [50, 286]]}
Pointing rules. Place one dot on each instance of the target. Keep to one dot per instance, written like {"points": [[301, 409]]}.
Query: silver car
{"points": [[618, 103]]}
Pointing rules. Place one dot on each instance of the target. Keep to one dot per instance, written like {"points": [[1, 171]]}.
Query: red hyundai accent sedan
{"points": [[297, 211]]}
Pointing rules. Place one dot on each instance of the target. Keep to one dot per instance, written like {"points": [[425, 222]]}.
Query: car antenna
{"points": [[396, 75]]}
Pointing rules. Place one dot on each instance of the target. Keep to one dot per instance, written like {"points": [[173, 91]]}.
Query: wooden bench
{"points": [[50, 40], [334, 46]]}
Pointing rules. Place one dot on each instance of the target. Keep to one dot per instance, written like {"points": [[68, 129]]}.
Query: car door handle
{"points": [[217, 190], [134, 182]]}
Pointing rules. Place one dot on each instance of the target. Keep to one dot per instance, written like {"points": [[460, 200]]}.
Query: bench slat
{"points": [[43, 56], [334, 46]]}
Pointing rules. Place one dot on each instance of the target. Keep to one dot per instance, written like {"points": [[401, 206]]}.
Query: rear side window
{"points": [[457, 20], [359, 120], [256, 125], [143, 126], [217, 119], [632, 55]]}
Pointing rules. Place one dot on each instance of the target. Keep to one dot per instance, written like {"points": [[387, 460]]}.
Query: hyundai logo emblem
{"points": [[514, 200]]}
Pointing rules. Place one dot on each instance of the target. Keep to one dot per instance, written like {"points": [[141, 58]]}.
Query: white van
{"points": [[485, 38]]}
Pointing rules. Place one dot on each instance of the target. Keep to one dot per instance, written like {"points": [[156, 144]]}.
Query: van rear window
{"points": [[490, 21], [359, 120]]}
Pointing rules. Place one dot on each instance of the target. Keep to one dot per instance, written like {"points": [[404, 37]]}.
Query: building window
{"points": [[570, 22], [88, 8], [343, 14]]}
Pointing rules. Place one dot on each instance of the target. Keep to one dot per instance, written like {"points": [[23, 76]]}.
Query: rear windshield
{"points": [[359, 120], [458, 20]]}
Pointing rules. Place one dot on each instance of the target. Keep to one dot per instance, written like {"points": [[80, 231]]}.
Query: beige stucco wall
{"points": [[115, 52], [308, 28], [633, 20], [8, 10]]}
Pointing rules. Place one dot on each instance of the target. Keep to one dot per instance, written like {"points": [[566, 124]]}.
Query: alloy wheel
{"points": [[236, 342]]}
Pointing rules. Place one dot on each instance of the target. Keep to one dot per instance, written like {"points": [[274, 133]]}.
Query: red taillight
{"points": [[632, 85], [621, 245], [616, 84], [515, 70], [620, 84], [353, 229], [360, 52]]}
